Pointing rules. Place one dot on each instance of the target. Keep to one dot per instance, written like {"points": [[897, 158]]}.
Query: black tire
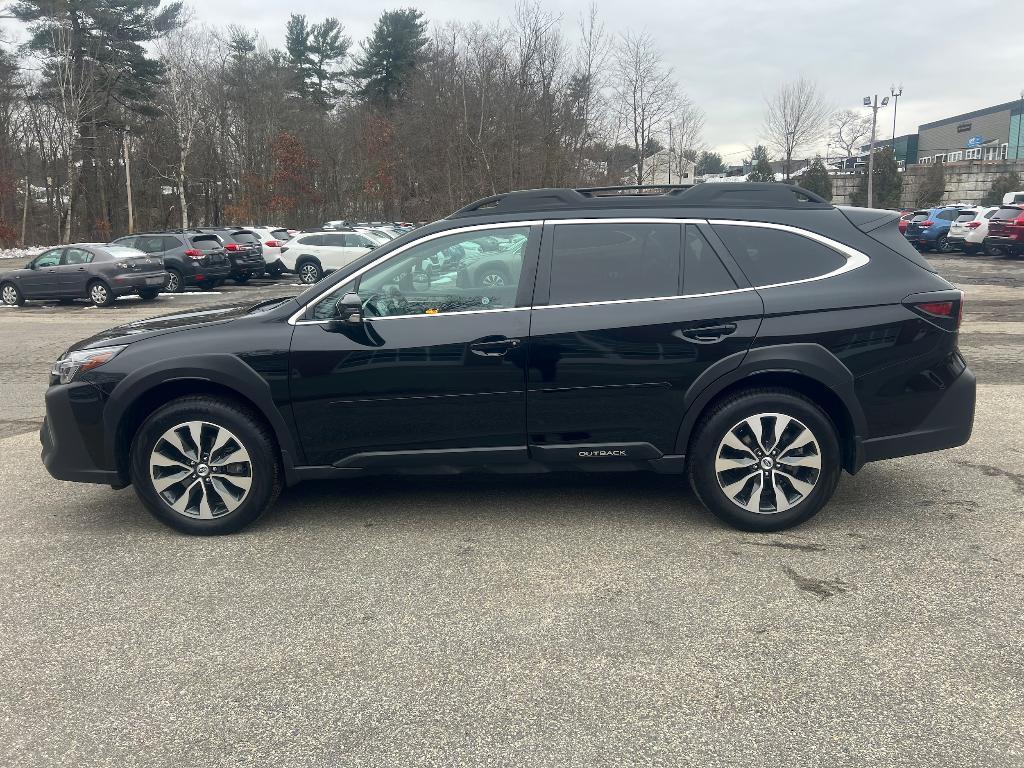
{"points": [[970, 250], [244, 426], [728, 414], [942, 244], [148, 294], [207, 285], [275, 271], [175, 283], [11, 295], [309, 271], [994, 251], [241, 279], [100, 294]]}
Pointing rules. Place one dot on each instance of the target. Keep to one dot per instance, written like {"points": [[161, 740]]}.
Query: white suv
{"points": [[311, 255], [970, 228], [273, 238]]}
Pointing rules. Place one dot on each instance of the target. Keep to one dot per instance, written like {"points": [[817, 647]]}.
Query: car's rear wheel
{"points": [[493, 277], [310, 272], [764, 459], [970, 250], [174, 283], [11, 296], [205, 465], [100, 294], [994, 250], [148, 294], [241, 279], [942, 244]]}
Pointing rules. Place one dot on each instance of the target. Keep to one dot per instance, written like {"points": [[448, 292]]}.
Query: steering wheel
{"points": [[369, 308]]}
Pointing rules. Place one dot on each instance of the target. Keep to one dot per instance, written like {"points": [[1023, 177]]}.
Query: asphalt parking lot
{"points": [[560, 620]]}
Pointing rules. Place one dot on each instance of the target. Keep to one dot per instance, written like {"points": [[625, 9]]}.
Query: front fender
{"points": [[222, 369]]}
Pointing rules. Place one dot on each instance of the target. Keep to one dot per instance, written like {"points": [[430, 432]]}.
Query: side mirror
{"points": [[348, 312]]}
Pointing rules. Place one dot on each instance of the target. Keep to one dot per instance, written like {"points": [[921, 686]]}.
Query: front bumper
{"points": [[948, 425], [125, 284], [72, 435]]}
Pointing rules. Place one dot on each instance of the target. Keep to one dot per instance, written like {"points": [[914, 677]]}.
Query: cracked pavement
{"points": [[581, 620]]}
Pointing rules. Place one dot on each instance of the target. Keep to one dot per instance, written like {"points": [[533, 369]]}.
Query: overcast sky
{"points": [[729, 55]]}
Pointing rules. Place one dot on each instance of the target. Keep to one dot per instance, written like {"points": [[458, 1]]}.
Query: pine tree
{"points": [[328, 47], [709, 162], [888, 186], [933, 186], [389, 56], [1008, 182], [296, 45], [762, 165], [817, 180]]}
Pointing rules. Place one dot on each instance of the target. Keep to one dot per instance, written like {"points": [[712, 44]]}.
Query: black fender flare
{"points": [[222, 369], [812, 361]]}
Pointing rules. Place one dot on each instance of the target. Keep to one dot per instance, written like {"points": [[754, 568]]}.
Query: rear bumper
{"points": [[73, 415], [124, 284], [948, 425], [204, 273], [1004, 242]]}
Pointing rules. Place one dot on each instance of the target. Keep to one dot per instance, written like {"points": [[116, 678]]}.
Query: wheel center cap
{"points": [[767, 462], [202, 470]]}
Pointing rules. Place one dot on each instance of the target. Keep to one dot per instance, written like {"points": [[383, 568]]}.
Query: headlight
{"points": [[68, 366]]}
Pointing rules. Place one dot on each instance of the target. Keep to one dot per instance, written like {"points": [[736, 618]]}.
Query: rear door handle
{"points": [[709, 334], [494, 347]]}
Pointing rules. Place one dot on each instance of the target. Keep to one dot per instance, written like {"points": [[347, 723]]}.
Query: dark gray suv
{"points": [[190, 258]]}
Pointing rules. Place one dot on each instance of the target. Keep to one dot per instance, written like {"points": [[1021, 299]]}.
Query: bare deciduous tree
{"points": [[850, 129], [796, 116], [645, 93]]}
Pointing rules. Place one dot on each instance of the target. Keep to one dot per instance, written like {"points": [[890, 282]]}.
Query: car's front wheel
{"points": [[764, 459], [205, 465], [11, 296]]}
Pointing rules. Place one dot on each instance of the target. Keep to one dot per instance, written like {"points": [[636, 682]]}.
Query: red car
{"points": [[905, 217]]}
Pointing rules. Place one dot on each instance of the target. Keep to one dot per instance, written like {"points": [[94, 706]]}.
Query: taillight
{"points": [[944, 308], [926, 223], [973, 224], [194, 253], [273, 243], [230, 246]]}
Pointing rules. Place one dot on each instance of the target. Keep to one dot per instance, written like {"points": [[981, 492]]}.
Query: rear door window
{"points": [[358, 241], [77, 256], [150, 243], [768, 256], [703, 271], [608, 262], [333, 240]]}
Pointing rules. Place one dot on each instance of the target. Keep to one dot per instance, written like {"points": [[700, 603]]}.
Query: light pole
{"points": [[875, 106], [895, 103], [1020, 119]]}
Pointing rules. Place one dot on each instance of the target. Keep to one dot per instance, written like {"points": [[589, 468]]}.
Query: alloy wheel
{"points": [[200, 470], [172, 285], [768, 463], [98, 294], [309, 274], [492, 280], [10, 295]]}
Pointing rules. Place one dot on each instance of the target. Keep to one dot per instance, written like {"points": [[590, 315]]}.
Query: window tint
{"points": [[337, 241], [170, 243], [948, 215], [703, 271], [49, 259], [963, 218], [920, 217], [770, 256], [77, 256], [244, 237], [358, 241], [128, 242], [206, 242], [280, 234], [1005, 214], [604, 262], [990, 214], [150, 243], [468, 271], [310, 240]]}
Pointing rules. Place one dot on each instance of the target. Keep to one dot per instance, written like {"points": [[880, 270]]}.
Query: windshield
{"points": [[920, 217]]}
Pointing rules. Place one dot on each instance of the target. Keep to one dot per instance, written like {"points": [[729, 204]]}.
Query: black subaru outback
{"points": [[753, 337]]}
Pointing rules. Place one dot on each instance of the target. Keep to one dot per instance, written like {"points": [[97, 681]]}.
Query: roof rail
{"points": [[706, 195]]}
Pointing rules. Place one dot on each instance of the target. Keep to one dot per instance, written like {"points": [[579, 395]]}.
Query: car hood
{"points": [[139, 330]]}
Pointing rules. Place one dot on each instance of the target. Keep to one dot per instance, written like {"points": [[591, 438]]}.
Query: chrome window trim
{"points": [[294, 319], [854, 260]]}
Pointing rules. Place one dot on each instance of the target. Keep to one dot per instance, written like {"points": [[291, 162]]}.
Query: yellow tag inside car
{"points": [[431, 312]]}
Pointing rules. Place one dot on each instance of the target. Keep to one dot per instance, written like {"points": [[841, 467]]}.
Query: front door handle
{"points": [[494, 347], [709, 334]]}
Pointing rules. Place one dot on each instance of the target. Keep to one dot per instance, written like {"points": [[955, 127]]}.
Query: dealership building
{"points": [[992, 133]]}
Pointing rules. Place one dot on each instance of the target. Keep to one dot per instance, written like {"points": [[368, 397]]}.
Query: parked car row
{"points": [[997, 230]]}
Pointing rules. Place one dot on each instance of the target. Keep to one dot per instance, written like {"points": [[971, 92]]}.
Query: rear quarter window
{"points": [[280, 234], [769, 256]]}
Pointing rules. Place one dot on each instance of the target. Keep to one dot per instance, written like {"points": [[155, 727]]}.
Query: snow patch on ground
{"points": [[24, 253]]}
